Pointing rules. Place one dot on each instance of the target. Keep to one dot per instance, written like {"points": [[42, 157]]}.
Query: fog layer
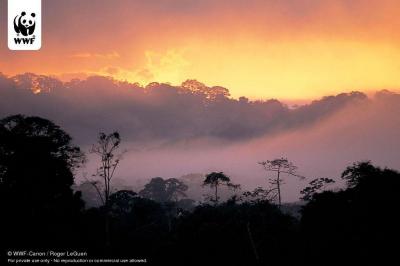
{"points": [[172, 131]]}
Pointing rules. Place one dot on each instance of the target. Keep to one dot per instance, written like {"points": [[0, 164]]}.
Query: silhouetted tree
{"points": [[215, 179], [315, 186], [106, 148], [279, 166], [162, 190], [236, 234], [212, 93], [37, 161], [357, 224], [260, 194], [360, 173], [122, 201]]}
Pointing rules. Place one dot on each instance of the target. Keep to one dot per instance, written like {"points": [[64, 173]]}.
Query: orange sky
{"points": [[290, 49]]}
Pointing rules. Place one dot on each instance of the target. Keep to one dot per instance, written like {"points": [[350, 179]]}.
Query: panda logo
{"points": [[25, 24]]}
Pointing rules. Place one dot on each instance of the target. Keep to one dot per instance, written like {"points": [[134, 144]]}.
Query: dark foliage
{"points": [[161, 190], [358, 224], [36, 173], [315, 186], [236, 234], [39, 210]]}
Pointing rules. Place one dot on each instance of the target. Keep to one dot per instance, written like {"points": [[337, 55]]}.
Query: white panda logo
{"points": [[25, 24]]}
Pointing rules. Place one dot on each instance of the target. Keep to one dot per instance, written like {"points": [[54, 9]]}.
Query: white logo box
{"points": [[24, 24]]}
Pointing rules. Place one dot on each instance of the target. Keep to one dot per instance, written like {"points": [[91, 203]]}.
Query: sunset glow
{"points": [[200, 132], [260, 49]]}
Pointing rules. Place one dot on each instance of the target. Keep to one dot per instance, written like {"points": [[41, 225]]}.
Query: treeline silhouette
{"points": [[155, 112], [40, 210]]}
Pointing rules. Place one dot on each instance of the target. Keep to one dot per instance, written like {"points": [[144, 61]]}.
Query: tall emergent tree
{"points": [[106, 148], [215, 179], [279, 166]]}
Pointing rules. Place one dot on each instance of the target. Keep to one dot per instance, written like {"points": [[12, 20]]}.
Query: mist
{"points": [[356, 133], [173, 131]]}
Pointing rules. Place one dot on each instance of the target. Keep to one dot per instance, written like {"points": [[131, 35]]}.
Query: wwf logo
{"points": [[25, 24]]}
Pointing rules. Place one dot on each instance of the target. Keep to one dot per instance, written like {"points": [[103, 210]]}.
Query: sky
{"points": [[287, 49]]}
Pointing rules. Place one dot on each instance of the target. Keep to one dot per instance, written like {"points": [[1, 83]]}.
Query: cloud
{"points": [[158, 111], [171, 131], [361, 130], [170, 66], [111, 55]]}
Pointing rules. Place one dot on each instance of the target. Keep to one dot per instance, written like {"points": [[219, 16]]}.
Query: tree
{"points": [[121, 202], [315, 186], [279, 166], [211, 93], [359, 223], [106, 148], [37, 161], [359, 173], [260, 194], [237, 234], [162, 190], [167, 192], [215, 179]]}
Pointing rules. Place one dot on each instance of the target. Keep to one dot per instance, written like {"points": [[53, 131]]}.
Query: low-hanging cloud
{"points": [[171, 131], [157, 111]]}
